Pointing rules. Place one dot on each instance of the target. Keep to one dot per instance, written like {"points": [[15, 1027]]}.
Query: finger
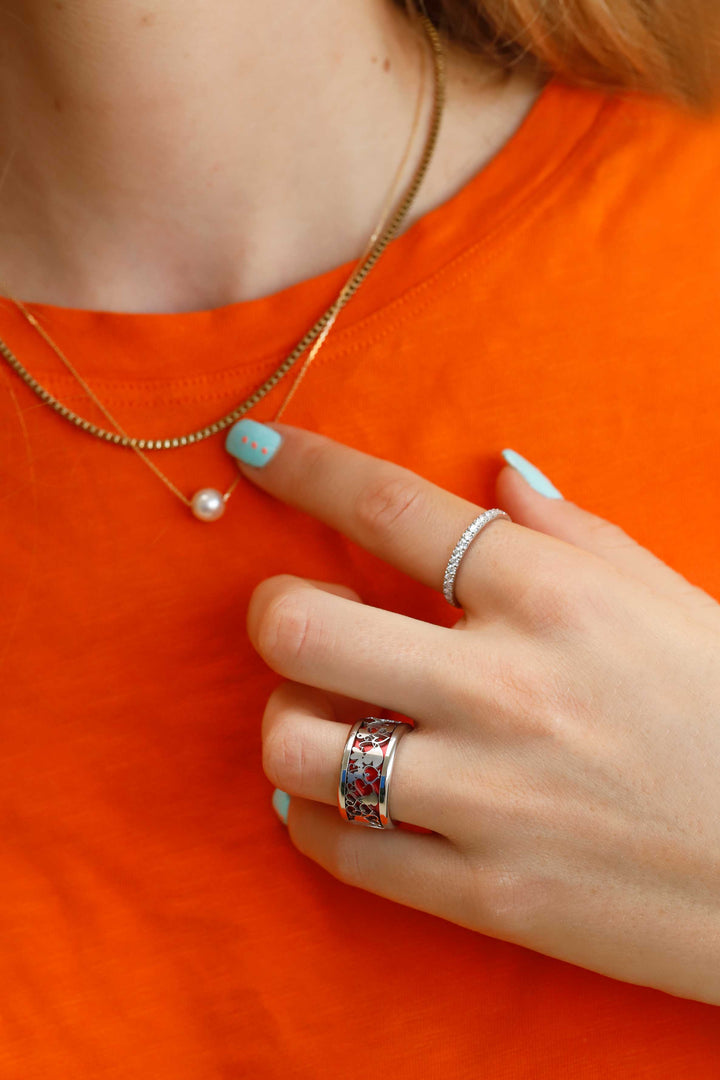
{"points": [[338, 706], [421, 871], [337, 590], [565, 520], [303, 747], [405, 520], [328, 706], [312, 636]]}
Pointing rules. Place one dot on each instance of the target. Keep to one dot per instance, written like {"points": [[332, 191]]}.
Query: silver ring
{"points": [[461, 547], [367, 764]]}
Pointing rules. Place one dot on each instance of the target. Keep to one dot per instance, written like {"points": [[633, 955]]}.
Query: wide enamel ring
{"points": [[367, 764]]}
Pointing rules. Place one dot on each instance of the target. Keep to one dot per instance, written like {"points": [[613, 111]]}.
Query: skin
{"points": [[207, 153], [567, 738], [201, 154]]}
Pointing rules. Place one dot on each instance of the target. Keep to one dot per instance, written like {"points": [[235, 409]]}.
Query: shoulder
{"points": [[644, 163], [658, 139]]}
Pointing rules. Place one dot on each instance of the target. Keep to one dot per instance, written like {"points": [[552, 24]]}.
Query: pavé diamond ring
{"points": [[461, 547]]}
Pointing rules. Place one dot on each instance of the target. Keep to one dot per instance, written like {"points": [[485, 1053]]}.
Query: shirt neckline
{"points": [[159, 347]]}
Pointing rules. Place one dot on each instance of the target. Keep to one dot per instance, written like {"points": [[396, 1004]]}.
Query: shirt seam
{"points": [[413, 299]]}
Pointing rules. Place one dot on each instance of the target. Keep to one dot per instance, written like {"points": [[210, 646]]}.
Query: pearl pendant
{"points": [[207, 504]]}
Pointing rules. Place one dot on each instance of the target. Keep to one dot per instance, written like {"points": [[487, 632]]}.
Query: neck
{"points": [[205, 153]]}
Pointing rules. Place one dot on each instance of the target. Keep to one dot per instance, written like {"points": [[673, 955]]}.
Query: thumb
{"points": [[532, 500]]}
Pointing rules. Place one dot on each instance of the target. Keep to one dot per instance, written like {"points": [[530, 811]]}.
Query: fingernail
{"points": [[281, 802], [538, 481], [252, 443]]}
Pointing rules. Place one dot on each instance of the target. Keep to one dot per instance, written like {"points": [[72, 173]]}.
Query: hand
{"points": [[566, 757]]}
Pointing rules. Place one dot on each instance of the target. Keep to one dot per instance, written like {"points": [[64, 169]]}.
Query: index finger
{"points": [[390, 511]]}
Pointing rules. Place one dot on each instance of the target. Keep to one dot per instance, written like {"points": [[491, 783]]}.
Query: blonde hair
{"points": [[665, 47]]}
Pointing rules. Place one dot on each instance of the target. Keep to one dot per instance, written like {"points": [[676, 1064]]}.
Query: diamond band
{"points": [[461, 547]]}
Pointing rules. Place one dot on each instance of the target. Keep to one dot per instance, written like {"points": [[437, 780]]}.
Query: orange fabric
{"points": [[155, 920]]}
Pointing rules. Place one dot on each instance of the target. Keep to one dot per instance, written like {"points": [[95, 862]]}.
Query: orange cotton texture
{"points": [[155, 920]]}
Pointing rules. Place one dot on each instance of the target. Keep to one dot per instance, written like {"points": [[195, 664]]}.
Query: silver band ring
{"points": [[367, 764], [461, 547]]}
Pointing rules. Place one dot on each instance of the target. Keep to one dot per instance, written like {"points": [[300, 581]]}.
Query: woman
{"points": [[186, 191]]}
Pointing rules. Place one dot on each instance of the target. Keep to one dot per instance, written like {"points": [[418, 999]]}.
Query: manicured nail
{"points": [[538, 481], [252, 443], [281, 802]]}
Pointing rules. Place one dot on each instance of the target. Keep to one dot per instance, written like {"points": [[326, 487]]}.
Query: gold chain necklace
{"points": [[209, 504]]}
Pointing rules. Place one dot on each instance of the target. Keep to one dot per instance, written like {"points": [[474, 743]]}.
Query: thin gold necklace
{"points": [[209, 504]]}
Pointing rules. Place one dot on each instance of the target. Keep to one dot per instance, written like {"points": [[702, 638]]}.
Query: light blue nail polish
{"points": [[252, 443], [537, 480], [281, 802]]}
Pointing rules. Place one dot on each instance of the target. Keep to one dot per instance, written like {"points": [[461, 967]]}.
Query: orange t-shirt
{"points": [[155, 919]]}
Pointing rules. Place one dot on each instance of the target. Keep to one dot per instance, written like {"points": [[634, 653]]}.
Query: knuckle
{"points": [[511, 900], [514, 692], [537, 698], [565, 598], [283, 757], [386, 502], [500, 892], [546, 721], [347, 863], [546, 603], [283, 631], [609, 536], [591, 598], [276, 708], [510, 887], [317, 462]]}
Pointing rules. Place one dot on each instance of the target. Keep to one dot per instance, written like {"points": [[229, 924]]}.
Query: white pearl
{"points": [[207, 504]]}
